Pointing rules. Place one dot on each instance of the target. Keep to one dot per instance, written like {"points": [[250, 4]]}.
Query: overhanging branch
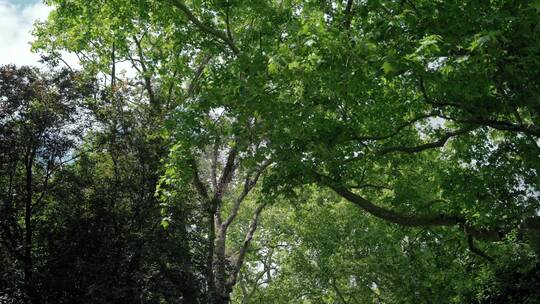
{"points": [[431, 145]]}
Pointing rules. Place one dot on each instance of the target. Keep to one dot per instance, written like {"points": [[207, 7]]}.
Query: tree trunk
{"points": [[30, 290], [220, 262], [211, 288]]}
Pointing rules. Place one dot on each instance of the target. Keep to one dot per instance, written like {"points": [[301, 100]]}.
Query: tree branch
{"points": [[193, 83], [199, 184], [415, 220], [245, 245], [226, 175], [348, 15], [211, 31], [476, 250], [145, 76], [213, 168], [248, 185], [529, 129], [391, 216], [227, 22], [431, 145], [397, 130]]}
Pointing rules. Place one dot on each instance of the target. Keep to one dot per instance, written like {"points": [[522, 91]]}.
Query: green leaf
{"points": [[387, 67], [165, 223]]}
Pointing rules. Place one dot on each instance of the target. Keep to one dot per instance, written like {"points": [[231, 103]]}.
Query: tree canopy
{"points": [[232, 151]]}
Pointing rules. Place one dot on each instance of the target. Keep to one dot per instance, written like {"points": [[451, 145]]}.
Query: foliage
{"points": [[305, 151]]}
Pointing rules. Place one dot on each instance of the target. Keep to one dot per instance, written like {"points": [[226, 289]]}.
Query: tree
{"points": [[204, 128], [80, 220], [40, 128]]}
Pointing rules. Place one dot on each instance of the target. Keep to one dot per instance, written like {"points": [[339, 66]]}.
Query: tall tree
{"points": [[40, 128], [176, 75]]}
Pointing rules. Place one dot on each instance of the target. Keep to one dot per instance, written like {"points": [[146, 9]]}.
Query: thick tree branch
{"points": [[348, 15], [530, 223], [391, 216], [226, 174]]}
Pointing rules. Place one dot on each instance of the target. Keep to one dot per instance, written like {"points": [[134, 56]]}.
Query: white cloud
{"points": [[16, 23]]}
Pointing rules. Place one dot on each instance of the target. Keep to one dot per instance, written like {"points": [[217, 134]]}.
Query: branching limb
{"points": [[391, 216], [249, 183], [245, 245], [146, 77], [528, 129], [530, 223]]}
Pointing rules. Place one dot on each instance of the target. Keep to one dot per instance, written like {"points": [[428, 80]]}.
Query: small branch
{"points": [[198, 73], [368, 185], [397, 130], [211, 31], [432, 102], [338, 292], [431, 145]]}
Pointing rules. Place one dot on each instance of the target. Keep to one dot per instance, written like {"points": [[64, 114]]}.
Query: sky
{"points": [[17, 18]]}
